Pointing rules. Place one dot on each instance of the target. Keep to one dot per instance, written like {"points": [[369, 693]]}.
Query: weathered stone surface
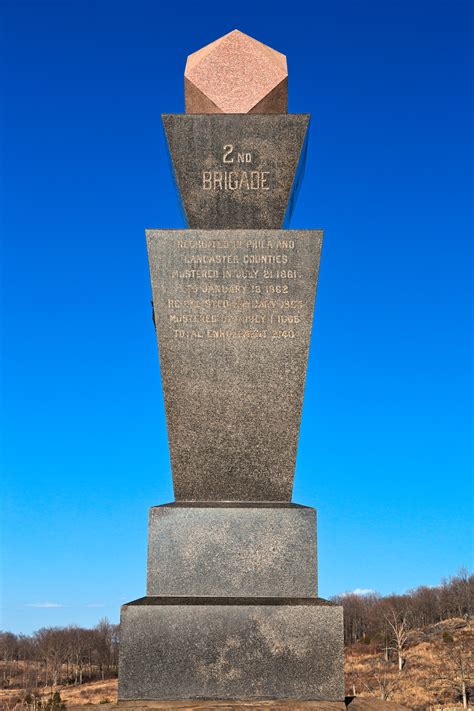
{"points": [[233, 312], [231, 648], [237, 171], [351, 703], [236, 74], [232, 550], [274, 705]]}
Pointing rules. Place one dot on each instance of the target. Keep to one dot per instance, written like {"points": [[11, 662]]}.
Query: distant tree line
{"points": [[373, 617], [391, 624], [56, 656]]}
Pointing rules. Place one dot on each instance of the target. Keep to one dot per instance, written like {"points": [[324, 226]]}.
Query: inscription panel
{"points": [[236, 170], [233, 312]]}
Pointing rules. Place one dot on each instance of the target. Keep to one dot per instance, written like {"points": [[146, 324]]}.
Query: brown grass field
{"points": [[417, 687]]}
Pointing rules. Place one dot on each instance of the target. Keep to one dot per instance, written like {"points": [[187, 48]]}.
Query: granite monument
{"points": [[232, 608]]}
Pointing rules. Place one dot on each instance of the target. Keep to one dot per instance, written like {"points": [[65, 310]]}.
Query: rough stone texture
{"points": [[191, 705], [237, 171], [233, 312], [230, 648], [232, 610], [351, 703], [236, 74], [226, 550]]}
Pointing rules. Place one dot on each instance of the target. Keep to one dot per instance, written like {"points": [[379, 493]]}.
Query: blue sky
{"points": [[385, 449]]}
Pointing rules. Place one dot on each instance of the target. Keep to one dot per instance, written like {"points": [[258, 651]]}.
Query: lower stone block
{"points": [[231, 648]]}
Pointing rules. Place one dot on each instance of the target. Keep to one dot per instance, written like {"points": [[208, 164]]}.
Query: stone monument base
{"points": [[231, 648], [350, 704], [226, 705]]}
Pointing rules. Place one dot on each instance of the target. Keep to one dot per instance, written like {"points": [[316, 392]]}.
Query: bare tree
{"points": [[456, 667], [424, 606], [357, 615], [53, 650], [385, 680], [9, 655], [104, 633], [400, 632], [457, 595]]}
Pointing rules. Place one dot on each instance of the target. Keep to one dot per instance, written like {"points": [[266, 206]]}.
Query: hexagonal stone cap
{"points": [[236, 74]]}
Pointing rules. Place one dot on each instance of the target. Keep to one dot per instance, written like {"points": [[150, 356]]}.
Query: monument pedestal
{"points": [[232, 608], [231, 648]]}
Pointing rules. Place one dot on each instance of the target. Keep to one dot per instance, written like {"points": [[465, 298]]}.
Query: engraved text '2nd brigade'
{"points": [[234, 179]]}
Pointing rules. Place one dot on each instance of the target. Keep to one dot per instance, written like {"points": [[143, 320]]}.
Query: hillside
{"points": [[436, 659], [430, 678]]}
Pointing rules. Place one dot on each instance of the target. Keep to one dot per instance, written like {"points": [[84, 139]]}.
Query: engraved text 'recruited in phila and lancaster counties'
{"points": [[233, 312]]}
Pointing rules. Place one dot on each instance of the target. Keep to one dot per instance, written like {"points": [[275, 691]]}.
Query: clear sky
{"points": [[385, 440]]}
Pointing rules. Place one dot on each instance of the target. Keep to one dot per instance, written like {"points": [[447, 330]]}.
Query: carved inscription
{"points": [[233, 312], [235, 177], [236, 289]]}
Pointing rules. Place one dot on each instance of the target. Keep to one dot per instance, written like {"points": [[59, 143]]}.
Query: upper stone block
{"points": [[236, 74]]}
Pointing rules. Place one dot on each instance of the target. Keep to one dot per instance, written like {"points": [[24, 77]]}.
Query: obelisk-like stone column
{"points": [[232, 608]]}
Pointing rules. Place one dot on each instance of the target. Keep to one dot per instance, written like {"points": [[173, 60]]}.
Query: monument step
{"points": [[230, 648], [191, 705], [232, 550], [350, 704]]}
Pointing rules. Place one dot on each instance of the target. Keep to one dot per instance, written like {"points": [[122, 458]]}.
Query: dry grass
{"points": [[95, 692], [418, 686]]}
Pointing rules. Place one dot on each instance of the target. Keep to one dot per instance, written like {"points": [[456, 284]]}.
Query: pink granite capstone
{"points": [[236, 74]]}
